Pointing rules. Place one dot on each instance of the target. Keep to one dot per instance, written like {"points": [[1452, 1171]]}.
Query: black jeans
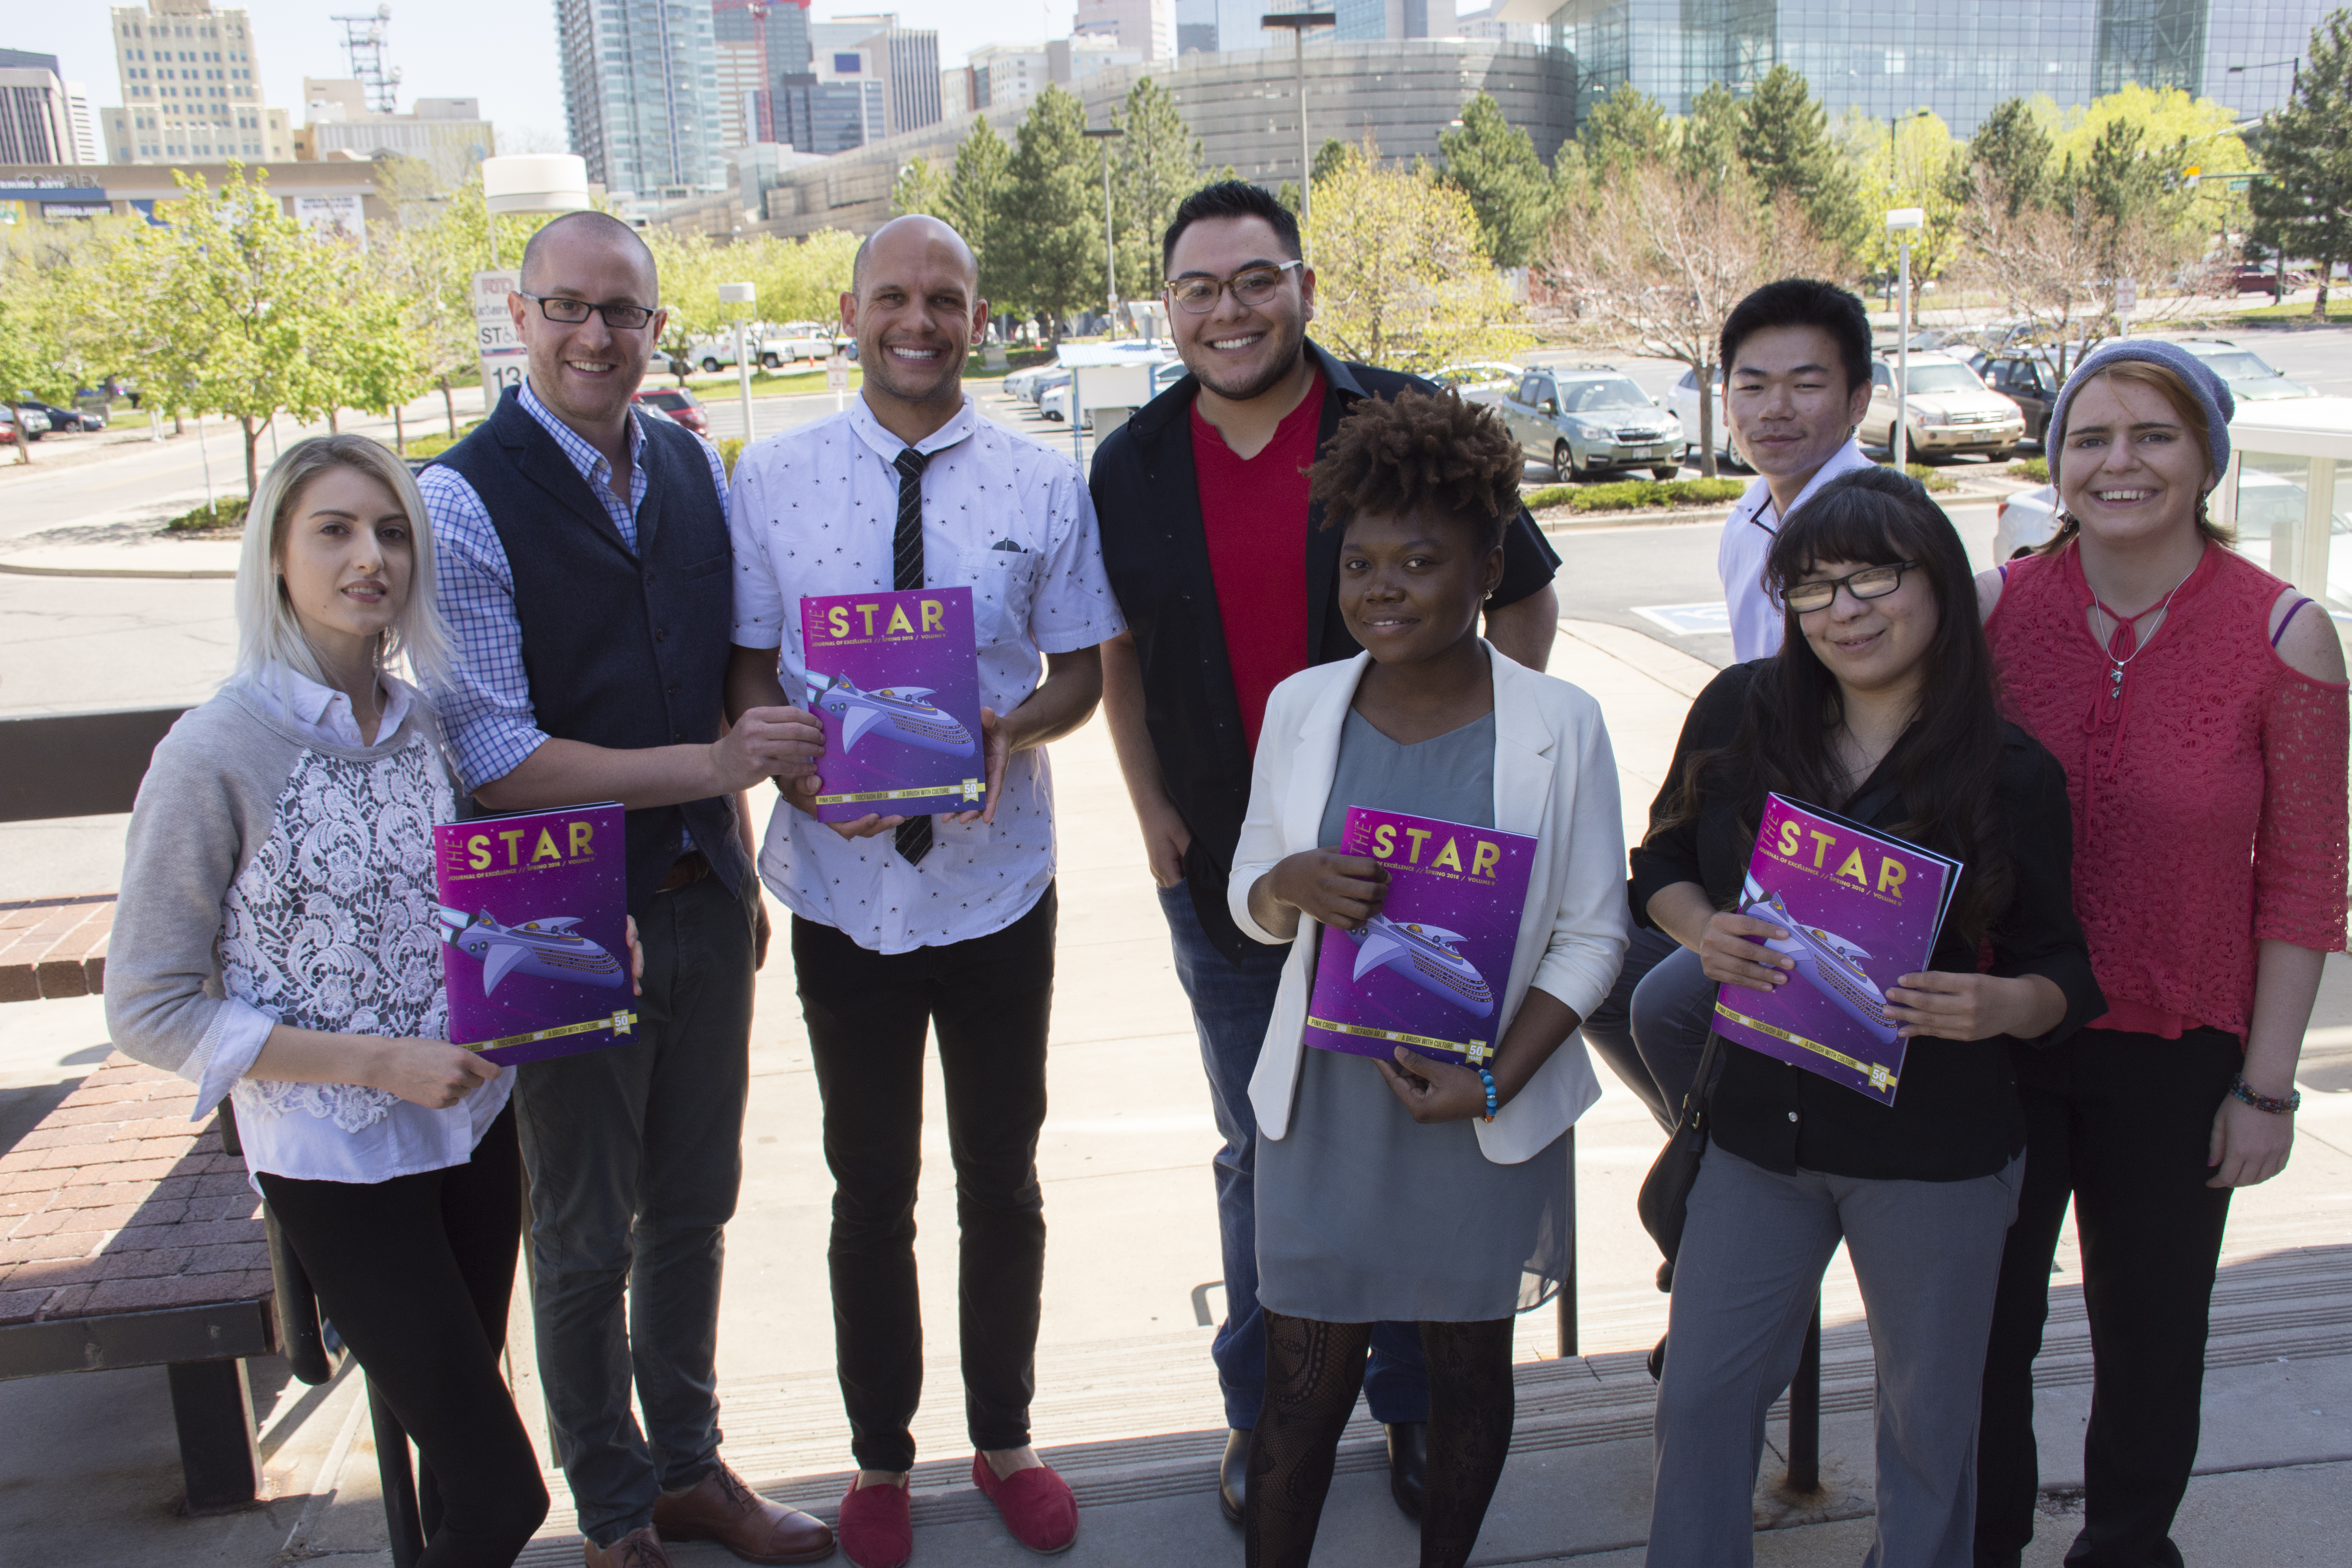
{"points": [[636, 1155], [2121, 1123], [989, 999], [415, 1273]]}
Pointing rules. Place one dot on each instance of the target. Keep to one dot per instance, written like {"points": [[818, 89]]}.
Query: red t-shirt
{"points": [[1254, 513]]}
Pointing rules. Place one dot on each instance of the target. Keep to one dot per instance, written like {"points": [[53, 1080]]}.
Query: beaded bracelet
{"points": [[2287, 1107], [1488, 1079]]}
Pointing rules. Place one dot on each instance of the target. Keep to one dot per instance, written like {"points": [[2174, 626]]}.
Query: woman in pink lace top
{"points": [[2198, 705]]}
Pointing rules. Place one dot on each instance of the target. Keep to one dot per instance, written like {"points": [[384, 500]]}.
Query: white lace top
{"points": [[328, 923]]}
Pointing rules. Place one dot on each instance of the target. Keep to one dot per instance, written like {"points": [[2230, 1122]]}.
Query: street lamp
{"points": [[1111, 251], [2294, 87], [1901, 222], [1298, 23], [740, 297]]}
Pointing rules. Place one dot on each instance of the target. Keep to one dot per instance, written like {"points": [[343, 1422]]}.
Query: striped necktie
{"points": [[905, 573]]}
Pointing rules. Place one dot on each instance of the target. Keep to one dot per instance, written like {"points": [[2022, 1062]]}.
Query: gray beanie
{"points": [[2212, 394]]}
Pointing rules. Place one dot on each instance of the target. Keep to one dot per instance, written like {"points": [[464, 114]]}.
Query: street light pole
{"points": [[1111, 248], [740, 296], [1902, 221], [1298, 22]]}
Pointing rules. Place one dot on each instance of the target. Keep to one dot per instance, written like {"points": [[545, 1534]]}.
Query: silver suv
{"points": [[1583, 419]]}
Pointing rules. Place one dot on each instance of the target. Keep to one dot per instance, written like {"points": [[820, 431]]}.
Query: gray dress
{"points": [[1364, 1215]]}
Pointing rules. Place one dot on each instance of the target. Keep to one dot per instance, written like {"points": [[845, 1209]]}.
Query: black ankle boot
{"points": [[1408, 1464], [1233, 1474]]}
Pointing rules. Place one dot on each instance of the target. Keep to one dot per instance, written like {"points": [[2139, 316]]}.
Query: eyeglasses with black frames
{"points": [[571, 313], [1252, 286], [1870, 583]]}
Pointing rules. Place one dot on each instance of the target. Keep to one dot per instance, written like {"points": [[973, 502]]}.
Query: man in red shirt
{"points": [[1228, 588]]}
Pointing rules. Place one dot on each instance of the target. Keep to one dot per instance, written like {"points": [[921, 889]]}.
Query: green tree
{"points": [[975, 198], [248, 294], [1625, 131], [1401, 281], [1330, 157], [1054, 252], [1708, 147], [1155, 167], [1494, 164], [921, 187], [1786, 147], [2013, 150], [688, 266], [1913, 171], [2305, 208]]}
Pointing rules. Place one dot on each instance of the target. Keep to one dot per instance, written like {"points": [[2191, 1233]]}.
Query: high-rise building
{"points": [[1223, 27], [191, 88], [641, 94], [1145, 27], [1007, 76], [1959, 61], [448, 135], [1394, 19], [903, 63], [37, 116]]}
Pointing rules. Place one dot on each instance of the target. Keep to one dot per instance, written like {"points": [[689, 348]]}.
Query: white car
{"points": [[1682, 399], [2265, 500], [1053, 402], [1950, 409]]}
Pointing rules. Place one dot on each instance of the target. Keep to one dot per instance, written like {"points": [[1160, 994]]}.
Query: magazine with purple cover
{"points": [[895, 679], [1861, 911], [1428, 971], [534, 931]]}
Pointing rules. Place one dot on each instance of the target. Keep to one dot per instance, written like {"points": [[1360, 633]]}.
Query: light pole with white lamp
{"points": [[1107, 135], [524, 183], [1298, 23], [1901, 222], [740, 295]]}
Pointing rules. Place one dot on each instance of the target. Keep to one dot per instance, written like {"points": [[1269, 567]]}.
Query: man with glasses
{"points": [[585, 575], [1229, 587]]}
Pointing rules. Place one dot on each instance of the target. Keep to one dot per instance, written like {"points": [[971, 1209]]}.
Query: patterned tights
{"points": [[1313, 1371]]}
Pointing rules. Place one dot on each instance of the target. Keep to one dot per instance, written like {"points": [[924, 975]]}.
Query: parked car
{"points": [[2028, 378], [67, 421], [1478, 374], [1951, 410], [1029, 383], [32, 419], [1681, 401], [2250, 377], [800, 341], [7, 427], [710, 358], [1053, 402], [1587, 419], [2266, 501], [1048, 378], [680, 405]]}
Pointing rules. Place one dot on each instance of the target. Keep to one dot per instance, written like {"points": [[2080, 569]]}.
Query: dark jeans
{"points": [[636, 1155], [1652, 1027], [2120, 1123], [415, 1273], [990, 1000], [1231, 1005]]}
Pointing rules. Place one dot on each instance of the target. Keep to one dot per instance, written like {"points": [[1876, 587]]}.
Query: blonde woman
{"points": [[276, 946]]}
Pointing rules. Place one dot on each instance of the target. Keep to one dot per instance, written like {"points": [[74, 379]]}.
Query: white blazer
{"points": [[1555, 779]]}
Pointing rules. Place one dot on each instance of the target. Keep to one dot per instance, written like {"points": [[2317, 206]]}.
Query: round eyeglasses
{"points": [[1252, 286], [571, 313], [1870, 583]]}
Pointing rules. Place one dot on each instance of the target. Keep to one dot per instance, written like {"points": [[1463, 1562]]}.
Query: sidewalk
{"points": [[1127, 1404]]}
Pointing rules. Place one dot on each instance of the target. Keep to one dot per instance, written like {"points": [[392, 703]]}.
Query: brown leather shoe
{"points": [[720, 1508], [638, 1548]]}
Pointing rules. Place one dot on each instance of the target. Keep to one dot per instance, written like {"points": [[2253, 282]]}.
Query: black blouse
{"points": [[1956, 1115]]}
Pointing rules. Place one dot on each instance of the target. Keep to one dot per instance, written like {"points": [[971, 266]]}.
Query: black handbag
{"points": [[1665, 1201]]}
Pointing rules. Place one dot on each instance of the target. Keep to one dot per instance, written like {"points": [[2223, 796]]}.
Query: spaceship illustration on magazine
{"points": [[1825, 960], [895, 712], [548, 948], [1425, 955]]}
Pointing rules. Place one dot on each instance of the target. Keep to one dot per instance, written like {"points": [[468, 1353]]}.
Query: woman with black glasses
{"points": [[1880, 707]]}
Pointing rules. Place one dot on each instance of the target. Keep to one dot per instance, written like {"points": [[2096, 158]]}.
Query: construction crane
{"points": [[363, 41]]}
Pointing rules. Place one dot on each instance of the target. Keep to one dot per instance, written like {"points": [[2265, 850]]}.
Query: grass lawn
{"points": [[2338, 310]]}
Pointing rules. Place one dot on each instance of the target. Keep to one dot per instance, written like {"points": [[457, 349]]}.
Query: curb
{"points": [[181, 576]]}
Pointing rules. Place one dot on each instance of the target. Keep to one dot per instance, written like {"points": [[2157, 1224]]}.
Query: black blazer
{"points": [[1147, 503]]}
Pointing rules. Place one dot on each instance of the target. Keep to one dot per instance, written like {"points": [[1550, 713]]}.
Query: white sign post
{"points": [[836, 379], [740, 296], [2126, 301], [1902, 221], [502, 352]]}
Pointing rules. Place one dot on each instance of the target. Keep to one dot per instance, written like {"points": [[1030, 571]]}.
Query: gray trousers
{"points": [[1652, 1027], [635, 1153], [1927, 1256]]}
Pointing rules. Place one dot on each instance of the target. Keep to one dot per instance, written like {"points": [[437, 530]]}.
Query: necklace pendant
{"points": [[2115, 682]]}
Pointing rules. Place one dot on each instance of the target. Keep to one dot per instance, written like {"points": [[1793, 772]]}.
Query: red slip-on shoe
{"points": [[877, 1527], [1035, 1503]]}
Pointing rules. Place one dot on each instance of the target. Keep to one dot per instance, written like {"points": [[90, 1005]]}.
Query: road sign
{"points": [[2126, 297], [836, 375], [503, 356]]}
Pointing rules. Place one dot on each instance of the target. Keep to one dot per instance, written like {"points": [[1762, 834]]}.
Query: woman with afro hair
{"points": [[1411, 1190]]}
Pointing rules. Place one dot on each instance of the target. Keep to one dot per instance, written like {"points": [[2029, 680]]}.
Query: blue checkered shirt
{"points": [[486, 712]]}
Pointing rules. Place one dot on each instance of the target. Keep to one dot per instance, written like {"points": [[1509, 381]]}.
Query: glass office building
{"points": [[1958, 60]]}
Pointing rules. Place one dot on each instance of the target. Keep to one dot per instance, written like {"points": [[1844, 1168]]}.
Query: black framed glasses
{"points": [[1870, 583], [1252, 286], [571, 313]]}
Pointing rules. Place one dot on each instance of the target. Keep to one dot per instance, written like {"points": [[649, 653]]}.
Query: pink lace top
{"points": [[2208, 785]]}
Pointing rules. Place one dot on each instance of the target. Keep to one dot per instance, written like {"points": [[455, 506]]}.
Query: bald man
{"points": [[902, 925], [584, 570]]}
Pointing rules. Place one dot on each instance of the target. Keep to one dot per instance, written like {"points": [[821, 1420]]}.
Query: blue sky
{"points": [[502, 53]]}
